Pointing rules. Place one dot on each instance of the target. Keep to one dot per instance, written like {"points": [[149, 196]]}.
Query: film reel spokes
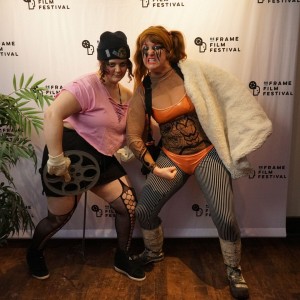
{"points": [[84, 171]]}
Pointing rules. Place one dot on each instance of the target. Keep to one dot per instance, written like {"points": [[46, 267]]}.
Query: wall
{"points": [[47, 37]]}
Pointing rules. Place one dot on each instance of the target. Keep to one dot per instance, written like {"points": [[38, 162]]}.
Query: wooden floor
{"points": [[192, 269]]}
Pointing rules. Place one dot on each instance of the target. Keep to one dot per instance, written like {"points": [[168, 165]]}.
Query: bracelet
{"points": [[152, 167], [55, 157], [56, 160], [149, 166]]}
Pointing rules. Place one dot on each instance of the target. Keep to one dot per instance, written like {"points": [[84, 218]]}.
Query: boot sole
{"points": [[154, 260], [242, 294], [41, 277], [129, 276]]}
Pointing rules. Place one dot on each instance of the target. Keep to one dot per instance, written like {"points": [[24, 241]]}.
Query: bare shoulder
{"points": [[126, 93]]}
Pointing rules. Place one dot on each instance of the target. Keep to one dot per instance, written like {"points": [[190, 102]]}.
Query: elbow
{"points": [[48, 114], [52, 117]]}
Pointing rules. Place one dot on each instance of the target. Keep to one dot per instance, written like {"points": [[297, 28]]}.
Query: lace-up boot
{"points": [[148, 256], [237, 283], [231, 252], [153, 241]]}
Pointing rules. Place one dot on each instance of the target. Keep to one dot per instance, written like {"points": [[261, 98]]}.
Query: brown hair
{"points": [[103, 66], [173, 42]]}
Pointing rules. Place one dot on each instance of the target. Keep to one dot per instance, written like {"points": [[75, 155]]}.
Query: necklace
{"points": [[163, 76], [120, 97], [113, 93]]}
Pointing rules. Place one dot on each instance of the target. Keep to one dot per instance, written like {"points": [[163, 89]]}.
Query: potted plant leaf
{"points": [[20, 112]]}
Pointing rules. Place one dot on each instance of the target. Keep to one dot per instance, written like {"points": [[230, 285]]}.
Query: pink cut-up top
{"points": [[101, 121]]}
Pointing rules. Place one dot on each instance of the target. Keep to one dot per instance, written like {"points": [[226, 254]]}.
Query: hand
{"points": [[167, 173], [125, 154], [59, 166]]}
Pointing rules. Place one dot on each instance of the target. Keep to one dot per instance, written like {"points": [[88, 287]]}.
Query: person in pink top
{"points": [[89, 115]]}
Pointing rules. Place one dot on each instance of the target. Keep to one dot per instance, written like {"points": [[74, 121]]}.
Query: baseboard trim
{"points": [[293, 226]]}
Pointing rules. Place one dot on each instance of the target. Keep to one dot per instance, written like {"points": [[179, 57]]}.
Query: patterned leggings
{"points": [[215, 183]]}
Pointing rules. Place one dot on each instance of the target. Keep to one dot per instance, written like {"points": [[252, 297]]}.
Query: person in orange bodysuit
{"points": [[208, 123]]}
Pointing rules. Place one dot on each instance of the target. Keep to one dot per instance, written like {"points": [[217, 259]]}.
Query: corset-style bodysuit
{"points": [[183, 138]]}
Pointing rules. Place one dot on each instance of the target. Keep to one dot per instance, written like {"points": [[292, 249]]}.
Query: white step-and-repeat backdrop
{"points": [[254, 39]]}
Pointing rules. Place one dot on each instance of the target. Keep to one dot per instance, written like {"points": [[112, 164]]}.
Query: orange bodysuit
{"points": [[163, 115], [182, 133]]}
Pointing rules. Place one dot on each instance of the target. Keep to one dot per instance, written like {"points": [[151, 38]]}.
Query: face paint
{"points": [[157, 51]]}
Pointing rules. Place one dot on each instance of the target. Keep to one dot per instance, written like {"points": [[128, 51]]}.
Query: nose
{"points": [[151, 51], [148, 52], [117, 68]]}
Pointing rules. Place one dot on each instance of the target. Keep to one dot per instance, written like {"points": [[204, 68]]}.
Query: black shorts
{"points": [[110, 168]]}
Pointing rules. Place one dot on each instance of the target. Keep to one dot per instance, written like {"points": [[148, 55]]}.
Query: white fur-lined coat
{"points": [[231, 117]]}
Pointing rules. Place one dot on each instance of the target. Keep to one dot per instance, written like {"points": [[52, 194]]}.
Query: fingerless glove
{"points": [[59, 166]]}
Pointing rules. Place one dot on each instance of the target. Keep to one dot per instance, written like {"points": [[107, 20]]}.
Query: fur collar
{"points": [[230, 116]]}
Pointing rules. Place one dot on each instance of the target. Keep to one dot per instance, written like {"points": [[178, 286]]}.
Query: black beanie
{"points": [[113, 45]]}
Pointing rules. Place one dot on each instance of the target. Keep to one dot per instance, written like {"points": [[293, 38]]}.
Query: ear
{"points": [[170, 54]]}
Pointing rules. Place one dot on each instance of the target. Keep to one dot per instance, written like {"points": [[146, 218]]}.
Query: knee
{"points": [[143, 215], [147, 218], [58, 221], [140, 212]]}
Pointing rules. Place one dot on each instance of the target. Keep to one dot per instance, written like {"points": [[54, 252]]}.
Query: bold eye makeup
{"points": [[156, 48]]}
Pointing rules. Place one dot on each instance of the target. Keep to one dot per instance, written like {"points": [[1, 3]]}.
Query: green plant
{"points": [[17, 118]]}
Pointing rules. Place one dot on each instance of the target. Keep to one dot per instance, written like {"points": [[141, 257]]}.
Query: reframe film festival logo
{"points": [[219, 44], [201, 212], [53, 89], [7, 48], [90, 49], [45, 5], [162, 3], [107, 212], [267, 172], [272, 88]]}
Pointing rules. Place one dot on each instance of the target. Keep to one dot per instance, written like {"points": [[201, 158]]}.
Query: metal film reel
{"points": [[84, 171]]}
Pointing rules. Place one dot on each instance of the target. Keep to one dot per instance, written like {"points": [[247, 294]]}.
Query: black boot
{"points": [[125, 265], [36, 263]]}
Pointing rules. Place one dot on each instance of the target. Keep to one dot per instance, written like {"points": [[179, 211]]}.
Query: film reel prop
{"points": [[84, 171]]}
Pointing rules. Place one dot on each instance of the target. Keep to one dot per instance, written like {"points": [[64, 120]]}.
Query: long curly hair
{"points": [[173, 42]]}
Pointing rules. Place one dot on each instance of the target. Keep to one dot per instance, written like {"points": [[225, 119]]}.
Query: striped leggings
{"points": [[215, 183]]}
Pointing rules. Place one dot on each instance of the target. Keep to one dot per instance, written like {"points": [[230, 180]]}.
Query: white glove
{"points": [[125, 154], [59, 166]]}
